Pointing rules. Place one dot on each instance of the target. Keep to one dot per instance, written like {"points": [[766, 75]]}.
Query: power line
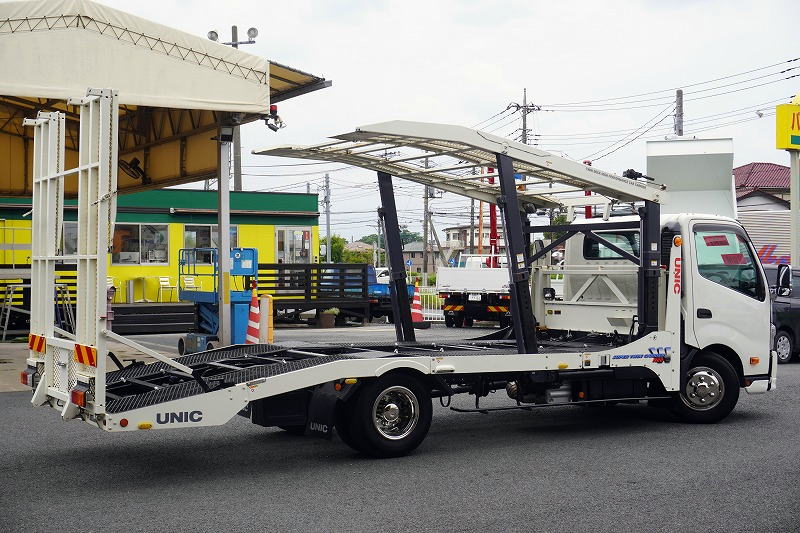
{"points": [[634, 138], [675, 88]]}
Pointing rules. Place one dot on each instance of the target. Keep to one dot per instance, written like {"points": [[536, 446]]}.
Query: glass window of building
{"points": [[70, 246], [125, 244], [154, 242]]}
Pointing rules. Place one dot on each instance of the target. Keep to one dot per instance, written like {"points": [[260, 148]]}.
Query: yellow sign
{"points": [[787, 127]]}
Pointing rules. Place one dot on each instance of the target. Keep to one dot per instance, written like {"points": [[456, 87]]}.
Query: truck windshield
{"points": [[626, 240], [724, 256]]}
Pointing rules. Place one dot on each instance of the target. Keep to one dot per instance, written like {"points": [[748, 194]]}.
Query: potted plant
{"points": [[327, 318]]}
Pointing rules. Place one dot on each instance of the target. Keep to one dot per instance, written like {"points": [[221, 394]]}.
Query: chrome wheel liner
{"points": [[783, 346], [704, 389], [395, 412]]}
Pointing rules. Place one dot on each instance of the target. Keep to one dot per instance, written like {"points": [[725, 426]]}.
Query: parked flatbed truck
{"points": [[687, 347], [476, 288]]}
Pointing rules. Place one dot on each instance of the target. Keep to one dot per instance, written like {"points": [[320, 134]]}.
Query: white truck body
{"points": [[473, 275]]}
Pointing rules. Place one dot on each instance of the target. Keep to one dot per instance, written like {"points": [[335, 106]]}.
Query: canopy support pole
{"points": [[224, 241], [401, 308]]}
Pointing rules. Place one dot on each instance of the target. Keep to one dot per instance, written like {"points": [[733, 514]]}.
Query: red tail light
{"points": [[444, 295], [505, 297], [78, 397], [23, 378]]}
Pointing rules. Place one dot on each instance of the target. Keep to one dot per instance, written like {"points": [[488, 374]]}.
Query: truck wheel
{"points": [[458, 321], [784, 347], [391, 415], [448, 321], [345, 415], [504, 321], [468, 321], [711, 390]]}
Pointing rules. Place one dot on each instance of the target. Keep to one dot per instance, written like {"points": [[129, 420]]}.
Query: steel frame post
{"points": [[224, 242], [398, 288], [519, 274], [649, 266]]}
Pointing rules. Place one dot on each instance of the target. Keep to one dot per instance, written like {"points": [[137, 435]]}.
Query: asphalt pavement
{"points": [[623, 468]]}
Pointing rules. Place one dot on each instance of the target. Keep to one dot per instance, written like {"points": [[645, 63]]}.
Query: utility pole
{"points": [[308, 187], [524, 109], [472, 226], [679, 112], [252, 33], [378, 242], [327, 201], [425, 233]]}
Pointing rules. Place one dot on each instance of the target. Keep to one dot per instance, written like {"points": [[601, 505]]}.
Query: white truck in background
{"points": [[475, 288]]}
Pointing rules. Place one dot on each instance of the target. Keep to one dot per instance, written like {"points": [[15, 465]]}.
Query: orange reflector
{"points": [[337, 386], [350, 381], [78, 397], [581, 395], [86, 355], [677, 240], [123, 423], [23, 378], [754, 360]]}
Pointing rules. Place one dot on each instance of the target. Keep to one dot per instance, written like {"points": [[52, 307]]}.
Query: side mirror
{"points": [[784, 280]]}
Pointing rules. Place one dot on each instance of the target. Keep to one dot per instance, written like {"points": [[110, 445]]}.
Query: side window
{"points": [[626, 240], [796, 285], [725, 257]]}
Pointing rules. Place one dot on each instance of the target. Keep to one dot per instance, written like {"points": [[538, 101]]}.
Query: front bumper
{"points": [[760, 386]]}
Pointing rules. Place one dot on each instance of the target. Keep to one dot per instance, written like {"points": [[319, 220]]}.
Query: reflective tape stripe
{"points": [[85, 355], [37, 343], [453, 307]]}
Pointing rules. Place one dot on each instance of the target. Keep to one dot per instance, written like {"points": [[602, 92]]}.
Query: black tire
{"points": [[504, 321], [294, 430], [710, 379], [344, 426], [458, 320], [390, 318], [209, 346], [468, 322], [181, 346], [448, 321], [783, 340], [411, 405]]}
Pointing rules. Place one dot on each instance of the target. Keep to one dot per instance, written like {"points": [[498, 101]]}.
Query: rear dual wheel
{"points": [[388, 417]]}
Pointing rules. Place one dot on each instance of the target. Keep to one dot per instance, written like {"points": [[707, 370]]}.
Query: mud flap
{"points": [[322, 411]]}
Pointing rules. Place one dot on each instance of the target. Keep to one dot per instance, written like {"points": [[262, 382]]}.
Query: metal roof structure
{"points": [[462, 160]]}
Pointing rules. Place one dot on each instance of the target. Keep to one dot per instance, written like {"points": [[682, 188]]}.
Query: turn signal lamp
{"points": [[754, 360], [677, 240], [78, 397]]}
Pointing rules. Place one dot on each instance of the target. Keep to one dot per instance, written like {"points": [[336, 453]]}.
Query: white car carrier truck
{"points": [[696, 332]]}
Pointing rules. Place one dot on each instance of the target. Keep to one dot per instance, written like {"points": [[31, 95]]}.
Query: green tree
{"points": [[352, 256], [370, 239], [407, 236], [337, 248], [558, 220]]}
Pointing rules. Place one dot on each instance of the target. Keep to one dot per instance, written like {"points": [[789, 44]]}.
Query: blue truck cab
{"points": [[380, 300]]}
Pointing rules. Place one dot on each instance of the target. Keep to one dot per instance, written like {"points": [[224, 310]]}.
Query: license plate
{"points": [[474, 297]]}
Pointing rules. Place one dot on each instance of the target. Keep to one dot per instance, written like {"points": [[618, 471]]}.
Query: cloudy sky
{"points": [[462, 62]]}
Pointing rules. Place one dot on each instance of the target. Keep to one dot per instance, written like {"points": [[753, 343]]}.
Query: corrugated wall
{"points": [[770, 232]]}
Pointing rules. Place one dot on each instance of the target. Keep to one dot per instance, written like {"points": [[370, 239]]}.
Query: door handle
{"points": [[703, 313]]}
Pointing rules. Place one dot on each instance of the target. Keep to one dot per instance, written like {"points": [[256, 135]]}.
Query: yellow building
{"points": [[152, 226]]}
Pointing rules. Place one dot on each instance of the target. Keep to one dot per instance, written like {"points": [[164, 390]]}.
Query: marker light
{"points": [[337, 386], [677, 240], [273, 110], [78, 397], [145, 425], [123, 423], [754, 360], [23, 378]]}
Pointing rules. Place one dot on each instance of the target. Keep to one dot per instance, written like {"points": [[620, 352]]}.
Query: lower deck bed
{"points": [[140, 385]]}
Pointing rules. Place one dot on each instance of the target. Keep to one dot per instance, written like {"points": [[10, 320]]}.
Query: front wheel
{"points": [[784, 347], [711, 390], [390, 416]]}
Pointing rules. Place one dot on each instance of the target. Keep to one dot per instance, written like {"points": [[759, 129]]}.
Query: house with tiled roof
{"points": [[762, 187]]}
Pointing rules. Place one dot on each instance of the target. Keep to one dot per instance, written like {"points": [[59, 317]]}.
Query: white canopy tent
{"points": [[174, 89]]}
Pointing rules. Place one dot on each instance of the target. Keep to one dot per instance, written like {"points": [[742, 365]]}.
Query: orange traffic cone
{"points": [[417, 318], [253, 321]]}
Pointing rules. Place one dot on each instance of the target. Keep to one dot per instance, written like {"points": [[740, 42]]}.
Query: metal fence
{"points": [[431, 304]]}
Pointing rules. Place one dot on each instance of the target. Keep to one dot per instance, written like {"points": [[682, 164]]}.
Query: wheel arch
{"points": [[727, 353]]}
